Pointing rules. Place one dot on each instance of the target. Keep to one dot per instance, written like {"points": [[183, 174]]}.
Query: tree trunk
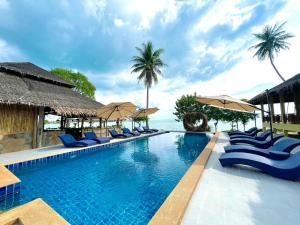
{"points": [[271, 60], [244, 127], [216, 125], [147, 103]]}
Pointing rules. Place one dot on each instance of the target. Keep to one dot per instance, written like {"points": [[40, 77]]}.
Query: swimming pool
{"points": [[123, 184]]}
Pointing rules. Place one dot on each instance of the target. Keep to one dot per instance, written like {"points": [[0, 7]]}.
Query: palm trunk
{"points": [[271, 60], [147, 103]]}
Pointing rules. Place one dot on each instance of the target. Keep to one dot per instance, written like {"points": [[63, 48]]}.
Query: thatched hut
{"points": [[282, 94], [27, 93]]}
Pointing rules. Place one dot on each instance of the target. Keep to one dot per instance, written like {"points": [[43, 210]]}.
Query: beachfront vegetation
{"points": [[188, 104], [271, 40], [148, 65], [192, 113], [80, 81]]}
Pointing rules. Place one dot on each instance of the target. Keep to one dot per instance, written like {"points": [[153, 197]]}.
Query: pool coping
{"points": [[76, 149], [173, 209], [36, 212]]}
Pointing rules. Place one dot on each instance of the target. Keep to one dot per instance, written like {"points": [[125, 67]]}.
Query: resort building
{"points": [[287, 95], [27, 94]]}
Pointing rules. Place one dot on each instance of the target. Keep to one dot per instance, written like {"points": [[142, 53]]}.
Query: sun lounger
{"points": [[93, 136], [148, 129], [288, 168], [261, 137], [252, 134], [134, 133], [69, 141], [260, 144], [285, 145], [141, 130], [115, 134], [240, 132]]}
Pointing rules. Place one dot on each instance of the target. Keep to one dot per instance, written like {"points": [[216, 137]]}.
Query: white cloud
{"points": [[119, 22], [225, 12], [148, 10], [8, 52], [95, 8]]}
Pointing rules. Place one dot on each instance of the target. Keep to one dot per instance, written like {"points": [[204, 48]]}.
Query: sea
{"points": [[173, 125]]}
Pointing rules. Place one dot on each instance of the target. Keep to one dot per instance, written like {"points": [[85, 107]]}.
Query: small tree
{"points": [[80, 81], [216, 114], [187, 104], [139, 120], [188, 110]]}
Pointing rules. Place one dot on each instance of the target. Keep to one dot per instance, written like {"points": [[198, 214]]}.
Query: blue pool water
{"points": [[124, 184]]}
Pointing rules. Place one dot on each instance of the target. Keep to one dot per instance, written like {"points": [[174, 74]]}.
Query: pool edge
{"points": [[174, 207]]}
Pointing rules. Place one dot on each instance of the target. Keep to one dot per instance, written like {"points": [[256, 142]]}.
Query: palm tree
{"points": [[272, 40], [148, 64]]}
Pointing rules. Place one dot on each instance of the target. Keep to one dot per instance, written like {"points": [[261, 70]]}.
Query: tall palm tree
{"points": [[148, 64], [272, 40]]}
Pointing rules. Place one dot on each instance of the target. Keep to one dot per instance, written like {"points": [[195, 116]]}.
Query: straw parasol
{"points": [[227, 102], [116, 110], [144, 112]]}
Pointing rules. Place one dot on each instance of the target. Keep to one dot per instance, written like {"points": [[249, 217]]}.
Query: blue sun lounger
{"points": [[139, 129], [127, 131], [93, 136], [260, 144], [115, 134], [252, 134], [240, 132], [284, 146], [148, 129], [288, 168], [261, 137], [69, 141]]}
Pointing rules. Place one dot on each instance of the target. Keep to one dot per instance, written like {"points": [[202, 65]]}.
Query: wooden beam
{"points": [[262, 111], [282, 108], [34, 133], [297, 105], [40, 126], [272, 115]]}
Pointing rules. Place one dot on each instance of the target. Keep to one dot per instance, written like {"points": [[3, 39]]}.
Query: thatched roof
{"points": [[39, 90], [27, 69], [287, 88]]}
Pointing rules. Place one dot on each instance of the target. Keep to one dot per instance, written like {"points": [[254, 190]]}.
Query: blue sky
{"points": [[206, 44]]}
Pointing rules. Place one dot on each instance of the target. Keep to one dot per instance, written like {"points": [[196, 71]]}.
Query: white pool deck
{"points": [[241, 196]]}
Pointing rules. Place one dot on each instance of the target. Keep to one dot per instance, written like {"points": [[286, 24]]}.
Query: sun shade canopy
{"points": [[116, 110], [144, 112], [227, 102]]}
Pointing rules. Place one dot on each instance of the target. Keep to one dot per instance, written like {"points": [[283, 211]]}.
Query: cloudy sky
{"points": [[206, 44]]}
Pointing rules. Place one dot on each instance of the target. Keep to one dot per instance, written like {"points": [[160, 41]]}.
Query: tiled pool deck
{"points": [[235, 196]]}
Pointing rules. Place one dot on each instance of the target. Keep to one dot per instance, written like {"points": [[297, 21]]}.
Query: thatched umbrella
{"points": [[143, 113], [116, 111]]}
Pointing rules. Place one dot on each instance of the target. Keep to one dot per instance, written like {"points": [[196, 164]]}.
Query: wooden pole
{"points": [[40, 126], [282, 108], [270, 115]]}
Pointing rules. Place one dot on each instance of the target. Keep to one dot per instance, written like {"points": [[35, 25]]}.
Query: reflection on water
{"points": [[189, 146], [142, 153]]}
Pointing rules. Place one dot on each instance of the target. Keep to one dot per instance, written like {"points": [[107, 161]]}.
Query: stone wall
{"points": [[51, 137], [15, 142]]}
